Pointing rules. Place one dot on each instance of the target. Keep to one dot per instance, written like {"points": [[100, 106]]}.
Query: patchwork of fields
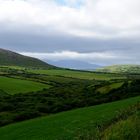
{"points": [[79, 74], [30, 93]]}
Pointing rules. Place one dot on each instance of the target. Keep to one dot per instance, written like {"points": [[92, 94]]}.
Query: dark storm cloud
{"points": [[50, 43]]}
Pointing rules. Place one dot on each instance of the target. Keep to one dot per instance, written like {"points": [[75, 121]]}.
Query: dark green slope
{"points": [[9, 58]]}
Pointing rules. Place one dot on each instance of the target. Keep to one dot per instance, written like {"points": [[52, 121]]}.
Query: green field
{"points": [[67, 125], [13, 86], [78, 74], [108, 88]]}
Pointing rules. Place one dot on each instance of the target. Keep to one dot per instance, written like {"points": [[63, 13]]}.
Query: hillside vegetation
{"points": [[9, 58], [131, 69], [79, 124]]}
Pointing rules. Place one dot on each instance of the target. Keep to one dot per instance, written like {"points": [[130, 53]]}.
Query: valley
{"points": [[40, 103]]}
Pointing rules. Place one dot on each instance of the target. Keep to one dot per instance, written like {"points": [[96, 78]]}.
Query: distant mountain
{"points": [[74, 64], [121, 69], [9, 58]]}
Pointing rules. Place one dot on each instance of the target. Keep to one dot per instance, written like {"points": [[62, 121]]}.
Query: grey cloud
{"points": [[126, 50], [32, 42]]}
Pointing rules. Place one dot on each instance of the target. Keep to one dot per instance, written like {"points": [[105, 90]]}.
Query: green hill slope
{"points": [[67, 125], [9, 58], [121, 69]]}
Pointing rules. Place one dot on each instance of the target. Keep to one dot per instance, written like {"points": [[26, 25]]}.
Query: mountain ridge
{"points": [[10, 58]]}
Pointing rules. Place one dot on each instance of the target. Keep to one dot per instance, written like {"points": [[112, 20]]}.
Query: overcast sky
{"points": [[102, 32]]}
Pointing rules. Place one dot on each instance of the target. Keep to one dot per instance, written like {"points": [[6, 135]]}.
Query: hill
{"points": [[70, 125], [132, 69], [9, 58]]}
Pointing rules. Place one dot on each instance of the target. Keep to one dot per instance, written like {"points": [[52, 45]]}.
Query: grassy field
{"points": [[67, 125], [78, 74], [107, 88], [13, 86]]}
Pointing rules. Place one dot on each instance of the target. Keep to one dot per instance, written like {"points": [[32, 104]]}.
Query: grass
{"points": [[66, 125], [78, 74], [12, 67], [124, 130], [106, 89], [14, 86]]}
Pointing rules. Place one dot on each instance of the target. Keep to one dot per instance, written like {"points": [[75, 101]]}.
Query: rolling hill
{"points": [[132, 69], [9, 58]]}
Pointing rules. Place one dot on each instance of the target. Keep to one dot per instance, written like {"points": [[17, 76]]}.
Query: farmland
{"points": [[107, 88], [45, 97], [67, 125], [14, 86], [79, 74], [37, 92]]}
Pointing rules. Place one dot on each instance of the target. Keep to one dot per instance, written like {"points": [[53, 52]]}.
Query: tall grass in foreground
{"points": [[125, 126], [128, 129]]}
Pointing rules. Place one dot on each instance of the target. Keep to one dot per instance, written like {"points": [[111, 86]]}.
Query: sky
{"points": [[101, 32]]}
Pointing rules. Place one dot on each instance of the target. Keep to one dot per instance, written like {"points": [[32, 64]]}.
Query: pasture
{"points": [[14, 86], [78, 74], [66, 125], [108, 88]]}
